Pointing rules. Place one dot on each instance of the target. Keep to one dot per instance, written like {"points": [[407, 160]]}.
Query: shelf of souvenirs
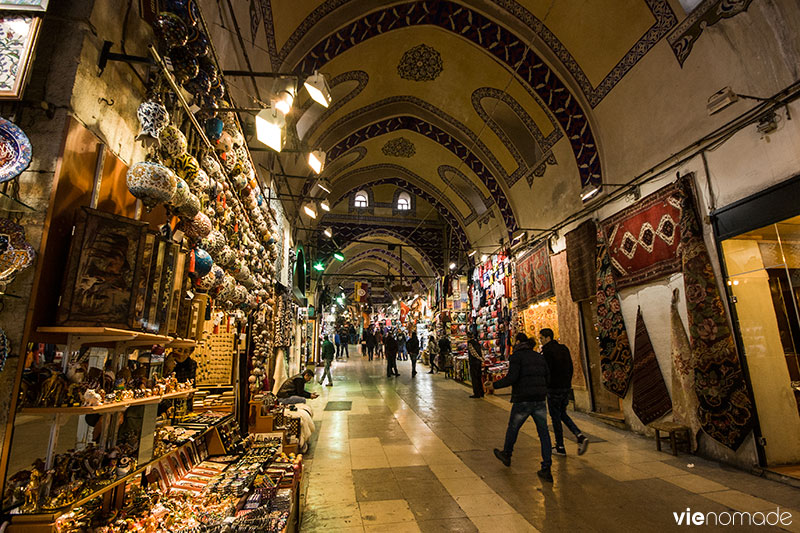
{"points": [[100, 334], [107, 407], [23, 521]]}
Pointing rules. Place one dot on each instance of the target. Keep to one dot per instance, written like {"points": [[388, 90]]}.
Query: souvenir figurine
{"points": [[53, 392], [32, 491]]}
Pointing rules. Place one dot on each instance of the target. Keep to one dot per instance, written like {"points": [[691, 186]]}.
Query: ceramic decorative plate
{"points": [[16, 254], [15, 150]]}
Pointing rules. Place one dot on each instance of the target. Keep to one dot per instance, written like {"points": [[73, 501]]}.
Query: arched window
{"points": [[404, 202], [361, 199]]}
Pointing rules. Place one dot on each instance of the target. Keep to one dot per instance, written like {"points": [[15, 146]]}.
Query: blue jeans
{"points": [[520, 411], [557, 402], [291, 400]]}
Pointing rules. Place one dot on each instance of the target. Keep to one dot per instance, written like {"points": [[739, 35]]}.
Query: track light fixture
{"points": [[270, 128], [328, 232], [325, 185], [325, 206], [317, 87], [284, 102], [310, 211], [316, 160]]}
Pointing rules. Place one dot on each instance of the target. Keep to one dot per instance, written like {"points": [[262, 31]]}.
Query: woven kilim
{"points": [[650, 395]]}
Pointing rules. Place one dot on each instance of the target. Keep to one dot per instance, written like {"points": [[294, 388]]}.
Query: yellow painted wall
{"points": [[777, 410]]}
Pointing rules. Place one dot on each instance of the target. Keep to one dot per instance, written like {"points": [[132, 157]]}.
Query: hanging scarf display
{"points": [[684, 400], [650, 395], [616, 361], [725, 409]]}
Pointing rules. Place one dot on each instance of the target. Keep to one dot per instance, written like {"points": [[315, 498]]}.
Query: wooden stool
{"points": [[673, 430]]}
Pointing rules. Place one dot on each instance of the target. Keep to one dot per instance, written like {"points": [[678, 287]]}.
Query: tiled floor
{"points": [[416, 455]]}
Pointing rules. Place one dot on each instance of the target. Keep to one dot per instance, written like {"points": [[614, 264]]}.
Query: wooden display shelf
{"points": [[44, 520], [101, 334], [105, 408]]}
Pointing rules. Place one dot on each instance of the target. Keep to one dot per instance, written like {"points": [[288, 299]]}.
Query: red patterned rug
{"points": [[643, 239], [534, 276]]}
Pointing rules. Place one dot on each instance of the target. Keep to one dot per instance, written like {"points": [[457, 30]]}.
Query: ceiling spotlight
{"points": [[518, 236], [325, 185], [328, 232], [319, 266], [270, 128], [473, 252], [484, 258], [720, 100], [339, 256], [310, 211], [325, 206], [589, 190], [452, 266], [284, 102], [317, 87], [316, 160]]}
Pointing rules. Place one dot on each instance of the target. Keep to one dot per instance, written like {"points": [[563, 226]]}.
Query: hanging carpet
{"points": [[650, 395], [725, 409], [534, 278], [616, 361], [684, 400], [581, 249], [643, 239]]}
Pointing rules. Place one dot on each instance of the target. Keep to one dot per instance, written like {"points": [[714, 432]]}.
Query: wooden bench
{"points": [[677, 434]]}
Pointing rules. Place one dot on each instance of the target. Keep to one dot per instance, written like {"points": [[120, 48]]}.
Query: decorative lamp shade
{"points": [[173, 141], [198, 227], [152, 183], [202, 262], [153, 117]]}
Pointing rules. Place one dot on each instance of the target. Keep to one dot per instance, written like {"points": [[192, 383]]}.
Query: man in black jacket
{"points": [[293, 389], [559, 363], [390, 345], [528, 377]]}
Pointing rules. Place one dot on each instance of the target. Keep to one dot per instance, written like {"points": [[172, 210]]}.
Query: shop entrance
{"points": [[603, 402], [763, 282]]}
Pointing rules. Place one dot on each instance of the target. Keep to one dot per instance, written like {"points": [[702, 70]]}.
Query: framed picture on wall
{"points": [[18, 34], [24, 5], [103, 262]]}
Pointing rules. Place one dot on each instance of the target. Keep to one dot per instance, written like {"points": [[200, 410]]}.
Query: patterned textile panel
{"points": [[643, 239], [534, 278], [616, 360], [569, 325], [650, 395], [725, 409], [581, 249]]}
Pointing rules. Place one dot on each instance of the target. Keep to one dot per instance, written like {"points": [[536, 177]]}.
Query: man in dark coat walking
{"points": [[475, 365], [413, 352], [390, 345], [559, 362], [528, 377]]}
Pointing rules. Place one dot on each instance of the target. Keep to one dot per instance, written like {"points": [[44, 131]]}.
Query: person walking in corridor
{"points": [[475, 365], [390, 344], [444, 355], [327, 358], [338, 341], [433, 352], [413, 352], [345, 339], [559, 363], [402, 352], [369, 341], [528, 377]]}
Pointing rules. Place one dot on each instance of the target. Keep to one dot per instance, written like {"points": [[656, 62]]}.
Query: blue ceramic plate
{"points": [[15, 150]]}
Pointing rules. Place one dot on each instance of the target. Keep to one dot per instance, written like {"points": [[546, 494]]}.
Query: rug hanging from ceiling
{"points": [[534, 278], [650, 395], [581, 249], [616, 361], [725, 408], [684, 400], [643, 239]]}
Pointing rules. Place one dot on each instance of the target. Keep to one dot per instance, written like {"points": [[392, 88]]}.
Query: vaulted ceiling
{"points": [[466, 104]]}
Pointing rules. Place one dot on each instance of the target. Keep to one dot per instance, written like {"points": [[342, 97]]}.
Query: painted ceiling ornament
{"points": [[399, 147], [420, 63]]}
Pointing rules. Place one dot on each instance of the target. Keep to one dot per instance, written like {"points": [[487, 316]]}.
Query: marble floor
{"points": [[416, 455]]}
